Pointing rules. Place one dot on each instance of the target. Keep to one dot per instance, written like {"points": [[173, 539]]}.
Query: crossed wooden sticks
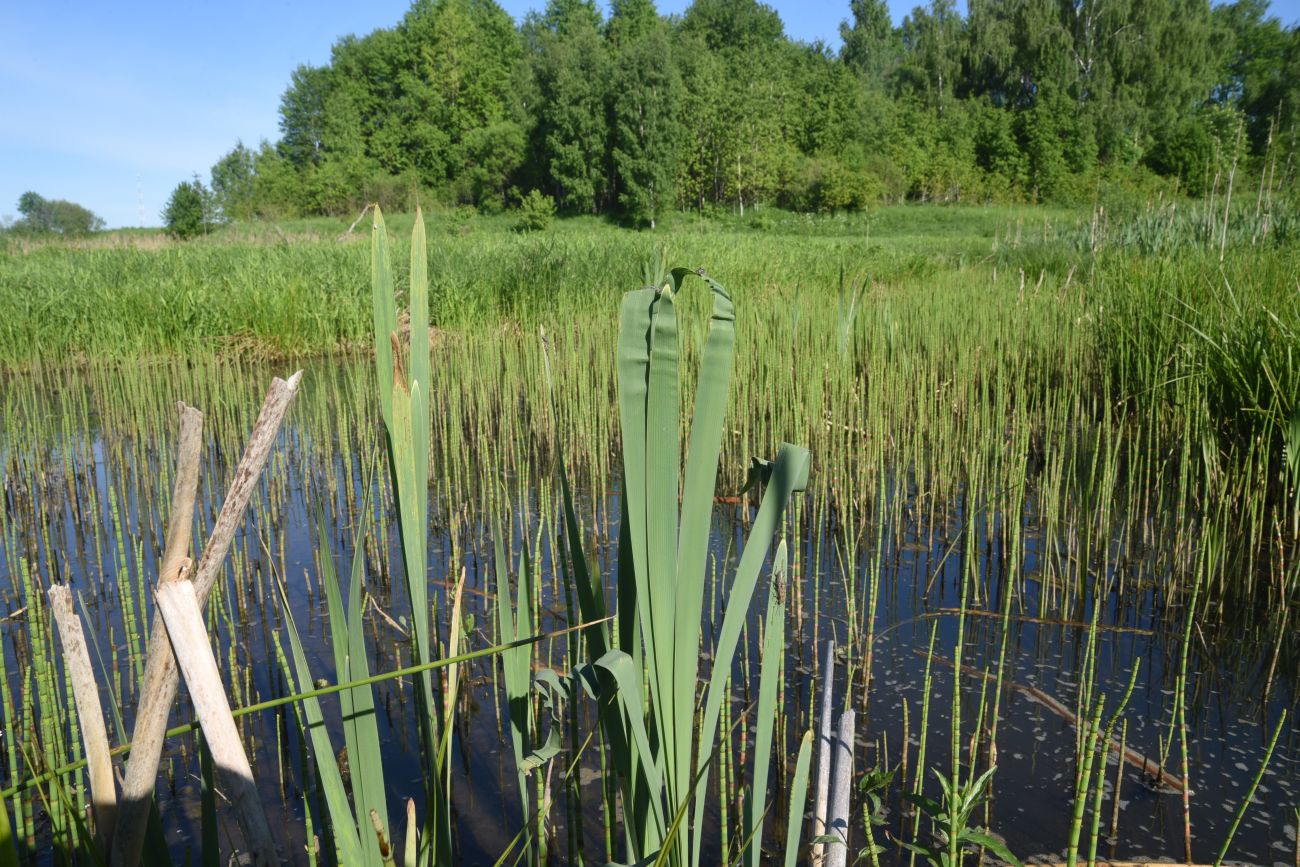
{"points": [[178, 646]]}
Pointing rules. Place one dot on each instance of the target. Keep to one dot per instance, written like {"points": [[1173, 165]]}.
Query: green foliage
{"points": [[871, 45], [233, 183], [189, 211], [647, 129], [644, 114], [572, 123], [1224, 343], [403, 372], [951, 815], [1261, 70], [54, 216], [535, 212]]}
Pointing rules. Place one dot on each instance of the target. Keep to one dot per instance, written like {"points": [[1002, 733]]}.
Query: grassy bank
{"points": [[297, 290]]}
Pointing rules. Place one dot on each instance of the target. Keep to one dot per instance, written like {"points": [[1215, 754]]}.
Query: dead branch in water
{"points": [[1130, 755]]}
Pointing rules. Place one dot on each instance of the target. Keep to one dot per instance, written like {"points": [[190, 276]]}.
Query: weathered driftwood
{"points": [[837, 854], [160, 676], [179, 606], [825, 746], [90, 713], [1033, 693]]}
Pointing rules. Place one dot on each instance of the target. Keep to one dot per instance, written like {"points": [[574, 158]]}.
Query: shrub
{"points": [[535, 212]]}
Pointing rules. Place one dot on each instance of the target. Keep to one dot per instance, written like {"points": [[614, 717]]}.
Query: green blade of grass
{"points": [[385, 313], [798, 796], [342, 820], [773, 647]]}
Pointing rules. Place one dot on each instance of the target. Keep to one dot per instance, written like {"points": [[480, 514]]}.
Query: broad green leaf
{"points": [[420, 362], [367, 762], [633, 382], [994, 845], [705, 445], [412, 836], [663, 461], [628, 680]]}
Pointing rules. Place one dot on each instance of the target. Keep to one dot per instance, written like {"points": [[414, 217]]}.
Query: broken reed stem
{"points": [[160, 676], [156, 701], [825, 746], [90, 713], [179, 605], [185, 488], [837, 853]]}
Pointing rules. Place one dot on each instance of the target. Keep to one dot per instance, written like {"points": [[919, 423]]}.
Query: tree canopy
{"points": [[639, 113], [54, 216], [190, 210]]}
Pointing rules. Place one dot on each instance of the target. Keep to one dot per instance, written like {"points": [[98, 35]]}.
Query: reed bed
{"points": [[1072, 471]]}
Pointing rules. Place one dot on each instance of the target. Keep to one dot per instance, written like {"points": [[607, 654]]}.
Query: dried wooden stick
{"points": [[160, 675], [90, 713], [179, 606], [360, 216], [278, 398]]}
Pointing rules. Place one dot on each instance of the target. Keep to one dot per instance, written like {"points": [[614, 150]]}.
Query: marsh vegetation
{"points": [[1044, 501]]}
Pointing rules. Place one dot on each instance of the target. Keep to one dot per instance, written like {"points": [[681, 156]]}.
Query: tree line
{"points": [[636, 114], [42, 216]]}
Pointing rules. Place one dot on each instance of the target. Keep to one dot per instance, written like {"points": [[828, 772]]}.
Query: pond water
{"points": [[86, 472]]}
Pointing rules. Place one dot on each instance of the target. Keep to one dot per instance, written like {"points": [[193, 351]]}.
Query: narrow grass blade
{"points": [[773, 648], [385, 314], [798, 796], [342, 819]]}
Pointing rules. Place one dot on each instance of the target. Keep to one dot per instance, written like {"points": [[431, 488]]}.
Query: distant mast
{"points": [[139, 199]]}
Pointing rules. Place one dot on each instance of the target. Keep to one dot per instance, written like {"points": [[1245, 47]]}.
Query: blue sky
{"points": [[112, 104]]}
